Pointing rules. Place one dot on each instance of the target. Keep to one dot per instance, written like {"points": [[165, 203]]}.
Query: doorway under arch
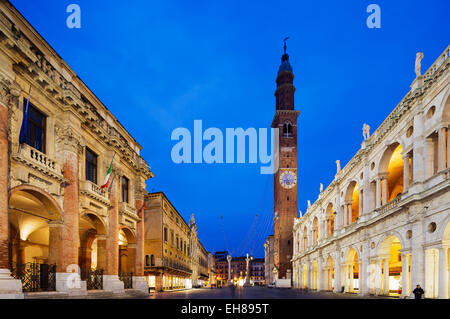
{"points": [[391, 266], [351, 272]]}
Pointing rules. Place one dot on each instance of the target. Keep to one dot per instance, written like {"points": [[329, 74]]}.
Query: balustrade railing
{"points": [[32, 155], [93, 189]]}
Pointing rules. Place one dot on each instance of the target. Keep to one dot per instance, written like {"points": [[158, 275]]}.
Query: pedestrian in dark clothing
{"points": [[418, 292]]}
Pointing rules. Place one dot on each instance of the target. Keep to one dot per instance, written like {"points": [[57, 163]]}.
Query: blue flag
{"points": [[24, 128]]}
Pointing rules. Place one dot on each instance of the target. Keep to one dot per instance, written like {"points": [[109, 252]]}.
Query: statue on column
{"points": [[229, 270], [366, 131], [309, 203], [419, 57], [321, 187], [247, 276]]}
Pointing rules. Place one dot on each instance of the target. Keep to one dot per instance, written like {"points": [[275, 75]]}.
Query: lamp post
{"points": [[247, 277]]}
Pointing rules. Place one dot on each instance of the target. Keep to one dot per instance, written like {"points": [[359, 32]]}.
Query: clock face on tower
{"points": [[288, 179]]}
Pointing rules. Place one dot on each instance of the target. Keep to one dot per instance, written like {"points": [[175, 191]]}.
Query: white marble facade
{"points": [[383, 225]]}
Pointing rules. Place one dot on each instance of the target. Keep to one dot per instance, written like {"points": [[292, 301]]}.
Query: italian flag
{"points": [[108, 174]]}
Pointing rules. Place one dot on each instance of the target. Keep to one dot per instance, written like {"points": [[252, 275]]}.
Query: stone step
{"points": [[100, 294], [45, 295]]}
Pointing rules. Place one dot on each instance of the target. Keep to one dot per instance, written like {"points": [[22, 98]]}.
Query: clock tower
{"points": [[285, 179]]}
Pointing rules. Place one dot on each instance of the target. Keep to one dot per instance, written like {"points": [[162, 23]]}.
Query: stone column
{"points": [[364, 273], [139, 281], [111, 279], [9, 287], [429, 157], [308, 274], [405, 275], [337, 274], [345, 214], [378, 193], [67, 280], [349, 218], [442, 148], [405, 172], [361, 203], [443, 274], [386, 276], [378, 278], [338, 215], [417, 255], [159, 282], [320, 274], [384, 192], [351, 277], [418, 148], [101, 252], [54, 244], [300, 275]]}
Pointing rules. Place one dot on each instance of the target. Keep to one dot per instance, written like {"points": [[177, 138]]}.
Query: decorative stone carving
{"points": [[68, 139], [9, 91]]}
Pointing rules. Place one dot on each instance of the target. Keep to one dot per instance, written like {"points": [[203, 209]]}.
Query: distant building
{"points": [[257, 271], [174, 257], [221, 255], [238, 270]]}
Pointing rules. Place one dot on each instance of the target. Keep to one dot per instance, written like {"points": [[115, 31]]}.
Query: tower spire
{"points": [[285, 39]]}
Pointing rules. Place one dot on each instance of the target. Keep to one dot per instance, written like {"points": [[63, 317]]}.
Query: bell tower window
{"points": [[287, 129]]}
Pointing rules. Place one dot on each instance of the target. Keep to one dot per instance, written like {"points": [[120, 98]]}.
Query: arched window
{"points": [[287, 129], [147, 260], [152, 260]]}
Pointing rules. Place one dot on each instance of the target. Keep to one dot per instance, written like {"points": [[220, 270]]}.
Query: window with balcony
{"points": [[125, 185], [91, 166], [36, 129]]}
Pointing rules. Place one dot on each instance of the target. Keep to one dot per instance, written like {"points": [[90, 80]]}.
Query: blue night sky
{"points": [[161, 65]]}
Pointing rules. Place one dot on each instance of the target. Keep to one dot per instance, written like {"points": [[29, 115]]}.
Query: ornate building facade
{"points": [[174, 257], [56, 222], [383, 224]]}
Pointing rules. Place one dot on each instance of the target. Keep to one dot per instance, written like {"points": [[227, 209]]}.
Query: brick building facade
{"points": [[53, 214]]}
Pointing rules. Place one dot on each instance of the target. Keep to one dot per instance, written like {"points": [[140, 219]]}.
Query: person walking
{"points": [[418, 292]]}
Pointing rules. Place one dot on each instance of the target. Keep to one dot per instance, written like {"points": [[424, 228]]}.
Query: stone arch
{"points": [[351, 270], [92, 251], [443, 227], [330, 213], [391, 233], [445, 115], [391, 168], [127, 249], [315, 230], [31, 212], [40, 194], [389, 251], [130, 235], [305, 238], [329, 273], [351, 208]]}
